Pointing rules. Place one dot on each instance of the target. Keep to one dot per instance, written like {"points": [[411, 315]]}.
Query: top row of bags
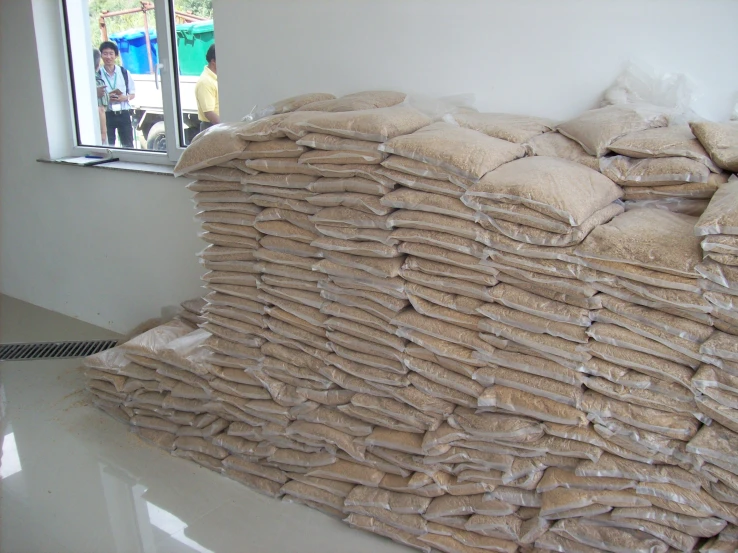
{"points": [[380, 116]]}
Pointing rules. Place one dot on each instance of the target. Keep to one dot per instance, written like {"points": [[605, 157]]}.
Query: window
{"points": [[141, 99]]}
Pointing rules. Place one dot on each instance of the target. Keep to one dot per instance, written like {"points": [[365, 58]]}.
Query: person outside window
{"points": [[121, 90], [102, 96], [206, 93]]}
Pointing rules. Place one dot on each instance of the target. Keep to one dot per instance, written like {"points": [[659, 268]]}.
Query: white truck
{"points": [[148, 114]]}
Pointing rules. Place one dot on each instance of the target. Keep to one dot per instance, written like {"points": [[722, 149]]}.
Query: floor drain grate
{"points": [[53, 350]]}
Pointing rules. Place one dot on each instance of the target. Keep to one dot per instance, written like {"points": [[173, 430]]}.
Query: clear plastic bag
{"points": [[361, 202], [356, 185], [463, 152], [654, 238], [673, 141], [334, 143], [685, 206], [423, 184], [554, 144], [287, 105], [490, 426], [405, 198], [528, 404], [505, 126], [267, 201], [691, 190], [560, 189], [685, 347], [656, 172], [364, 100], [721, 216], [514, 213], [611, 539], [533, 323], [151, 344], [217, 144], [677, 426], [350, 217], [342, 157], [438, 108], [542, 342], [405, 218], [522, 300], [531, 235], [722, 345], [612, 466], [596, 129], [376, 125], [673, 538], [720, 140], [638, 82]]}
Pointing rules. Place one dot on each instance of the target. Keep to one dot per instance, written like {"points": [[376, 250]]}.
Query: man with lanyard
{"points": [[206, 92], [121, 89]]}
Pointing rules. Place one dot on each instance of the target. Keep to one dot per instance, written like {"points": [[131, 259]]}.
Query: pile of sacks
{"points": [[448, 331]]}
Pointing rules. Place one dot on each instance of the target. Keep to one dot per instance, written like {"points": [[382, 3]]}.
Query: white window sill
{"points": [[150, 168]]}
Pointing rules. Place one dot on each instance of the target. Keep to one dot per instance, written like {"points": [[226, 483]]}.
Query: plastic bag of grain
{"points": [[561, 189], [377, 125], [344, 157], [596, 129], [424, 184], [335, 143], [685, 206], [357, 185], [672, 141], [416, 168], [527, 404], [661, 171], [505, 126], [287, 105], [463, 152], [516, 214], [651, 238], [554, 144], [151, 344], [720, 140], [214, 186], [365, 100], [277, 148], [405, 198], [344, 216], [362, 202], [721, 345], [218, 144], [721, 215], [531, 235]]}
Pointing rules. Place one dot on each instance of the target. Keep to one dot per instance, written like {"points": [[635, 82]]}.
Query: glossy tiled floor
{"points": [[73, 480]]}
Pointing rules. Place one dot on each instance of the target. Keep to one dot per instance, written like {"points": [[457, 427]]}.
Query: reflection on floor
{"points": [[73, 480]]}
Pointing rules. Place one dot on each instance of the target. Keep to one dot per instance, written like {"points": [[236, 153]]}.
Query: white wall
{"points": [[108, 247], [112, 248], [538, 57]]}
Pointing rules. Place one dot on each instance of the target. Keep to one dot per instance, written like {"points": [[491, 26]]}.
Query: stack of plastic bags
{"points": [[718, 231], [446, 329], [663, 167]]}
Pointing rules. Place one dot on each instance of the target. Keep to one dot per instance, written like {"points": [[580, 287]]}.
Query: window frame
{"points": [[169, 86]]}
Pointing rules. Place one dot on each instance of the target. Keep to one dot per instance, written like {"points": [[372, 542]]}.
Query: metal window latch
{"points": [[159, 67]]}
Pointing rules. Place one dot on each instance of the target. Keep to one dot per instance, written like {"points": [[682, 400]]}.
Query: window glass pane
{"points": [[120, 105], [193, 36]]}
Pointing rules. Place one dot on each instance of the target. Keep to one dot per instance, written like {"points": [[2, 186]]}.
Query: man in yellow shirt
{"points": [[206, 93]]}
